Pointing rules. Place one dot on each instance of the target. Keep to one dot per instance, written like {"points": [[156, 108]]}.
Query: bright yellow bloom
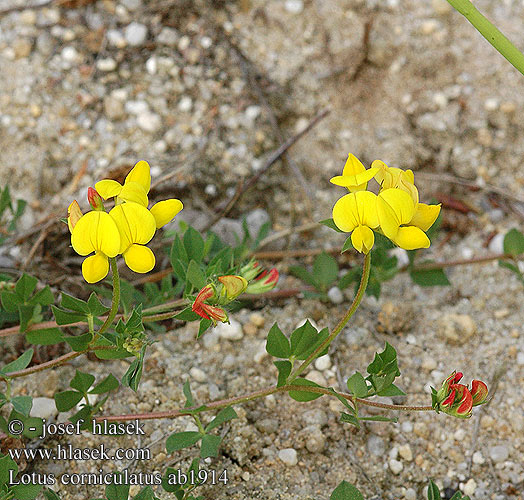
{"points": [[404, 221], [136, 226], [164, 211], [135, 188], [355, 177], [357, 213], [96, 232], [393, 177]]}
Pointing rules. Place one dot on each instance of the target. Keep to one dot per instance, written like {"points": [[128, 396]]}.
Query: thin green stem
{"points": [[115, 302], [197, 420], [224, 403], [356, 302], [490, 32]]}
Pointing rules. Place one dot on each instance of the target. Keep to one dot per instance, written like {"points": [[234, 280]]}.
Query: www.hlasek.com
{"points": [[69, 452]]}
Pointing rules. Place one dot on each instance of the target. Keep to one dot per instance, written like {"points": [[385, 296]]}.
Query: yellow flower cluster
{"points": [[125, 230], [394, 212]]}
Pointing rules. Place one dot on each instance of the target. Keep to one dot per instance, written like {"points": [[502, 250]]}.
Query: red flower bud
{"points": [[95, 200], [207, 311], [233, 287], [264, 282], [479, 392]]}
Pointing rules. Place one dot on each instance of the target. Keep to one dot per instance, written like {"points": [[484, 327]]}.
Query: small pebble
{"points": [[43, 408], [395, 466], [198, 374], [149, 122], [499, 453], [335, 295], [106, 64], [478, 458], [323, 363], [405, 452], [441, 7], [316, 377], [428, 363], [457, 328], [294, 6], [231, 331], [470, 487], [257, 319], [316, 416], [376, 445], [185, 104], [316, 440], [288, 456], [410, 494], [135, 34]]}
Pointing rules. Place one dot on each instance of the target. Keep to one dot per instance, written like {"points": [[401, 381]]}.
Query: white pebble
{"points": [[496, 245], [185, 104], [395, 466], [323, 363], [253, 112], [70, 54], [491, 104], [478, 458], [459, 434], [152, 65], [294, 6], [520, 358], [470, 487], [410, 494], [106, 64], [136, 107], [288, 456], [43, 408], [499, 453], [206, 42], [231, 331], [405, 452], [335, 295], [198, 374], [136, 34], [149, 122]]}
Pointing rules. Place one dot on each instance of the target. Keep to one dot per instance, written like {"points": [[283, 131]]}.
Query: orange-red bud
{"points": [[479, 392], [233, 286], [73, 215], [95, 200]]}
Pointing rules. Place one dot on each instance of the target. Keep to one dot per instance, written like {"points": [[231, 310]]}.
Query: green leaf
{"points": [[277, 343], [7, 464], [45, 336], [357, 385], [145, 494], [391, 390], [458, 496], [304, 396], [223, 416], [195, 275], [331, 224], [70, 302], [22, 404], [514, 242], [50, 495], [43, 297], [34, 423], [385, 362], [346, 491], [186, 315], [210, 445], [96, 308], [433, 491], [26, 315], [188, 394], [79, 342], [204, 325], [117, 491], [429, 277], [110, 383], [134, 373], [10, 301], [194, 245], [26, 491], [325, 269], [18, 364], [284, 369], [180, 440], [347, 245], [303, 340], [66, 317], [303, 274], [350, 419], [24, 286], [67, 399]]}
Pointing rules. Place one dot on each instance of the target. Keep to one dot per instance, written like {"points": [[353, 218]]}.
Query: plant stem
{"points": [[490, 33], [115, 302], [356, 302], [223, 403]]}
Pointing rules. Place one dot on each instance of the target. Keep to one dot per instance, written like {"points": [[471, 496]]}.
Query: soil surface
{"points": [[205, 91]]}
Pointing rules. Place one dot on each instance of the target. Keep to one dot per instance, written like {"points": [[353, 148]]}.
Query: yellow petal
{"points": [[135, 192], [74, 214], [345, 214], [164, 211], [95, 268], [367, 208], [395, 207], [139, 258], [96, 232], [362, 239], [135, 223], [411, 238], [140, 173], [409, 176], [425, 216], [353, 166], [108, 188], [356, 182], [381, 170]]}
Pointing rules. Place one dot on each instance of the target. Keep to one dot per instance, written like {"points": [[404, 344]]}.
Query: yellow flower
{"points": [[357, 213], [135, 188], [96, 232], [355, 177], [403, 221], [164, 211], [136, 226], [393, 177]]}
